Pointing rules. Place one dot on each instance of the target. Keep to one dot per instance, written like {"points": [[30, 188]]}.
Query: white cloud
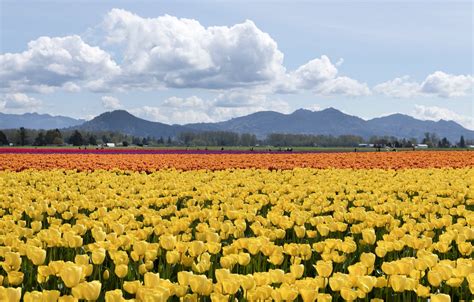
{"points": [[314, 107], [320, 76], [435, 113], [343, 86], [314, 73], [176, 110], [401, 87], [438, 84], [182, 53], [51, 63], [448, 85], [19, 102], [110, 102]]}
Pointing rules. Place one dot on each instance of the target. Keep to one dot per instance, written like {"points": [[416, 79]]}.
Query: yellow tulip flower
{"points": [[114, 296], [10, 294], [324, 268], [440, 298], [368, 236], [121, 270], [88, 291], [71, 275], [15, 278], [131, 287]]}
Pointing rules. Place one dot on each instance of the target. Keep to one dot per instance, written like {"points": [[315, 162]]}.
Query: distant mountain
{"points": [[401, 125], [124, 122], [334, 122], [36, 121], [325, 122]]}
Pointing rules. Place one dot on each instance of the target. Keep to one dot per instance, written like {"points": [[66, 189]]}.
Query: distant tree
{"points": [[54, 137], [125, 143], [40, 139], [144, 141], [462, 142], [92, 140], [160, 141], [76, 139], [169, 141], [3, 139], [136, 141], [444, 143], [22, 136]]}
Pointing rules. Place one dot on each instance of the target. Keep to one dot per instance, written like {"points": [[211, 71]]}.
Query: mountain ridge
{"points": [[329, 121], [37, 121]]}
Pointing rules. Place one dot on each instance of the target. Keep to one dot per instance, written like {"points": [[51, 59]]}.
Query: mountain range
{"points": [[37, 121], [325, 122]]}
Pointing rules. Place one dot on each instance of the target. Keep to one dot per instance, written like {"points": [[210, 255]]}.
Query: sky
{"points": [[179, 62]]}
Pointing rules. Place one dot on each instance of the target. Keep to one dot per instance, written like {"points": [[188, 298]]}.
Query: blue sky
{"points": [[184, 61]]}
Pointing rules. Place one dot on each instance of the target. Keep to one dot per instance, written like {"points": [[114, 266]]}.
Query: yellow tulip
{"points": [[36, 255], [172, 257], [422, 291], [366, 283], [348, 294], [98, 256], [168, 242], [196, 248], [244, 259], [308, 294], [288, 293], [114, 296], [324, 298], [106, 274], [10, 294], [131, 287], [434, 278], [230, 286], [67, 299], [12, 261], [368, 259], [50, 295], [357, 269], [121, 270], [368, 236], [297, 270], [440, 298], [454, 282], [71, 275], [15, 278], [32, 296], [398, 283], [324, 268], [89, 291]]}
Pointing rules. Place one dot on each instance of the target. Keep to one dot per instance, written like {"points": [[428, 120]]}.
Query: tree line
{"points": [[31, 137]]}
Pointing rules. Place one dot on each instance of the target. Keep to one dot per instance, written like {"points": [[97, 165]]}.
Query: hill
{"points": [[124, 122]]}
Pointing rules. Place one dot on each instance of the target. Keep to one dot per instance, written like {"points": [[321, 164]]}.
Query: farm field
{"points": [[378, 226]]}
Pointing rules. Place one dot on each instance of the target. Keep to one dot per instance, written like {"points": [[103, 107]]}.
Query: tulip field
{"points": [[373, 226]]}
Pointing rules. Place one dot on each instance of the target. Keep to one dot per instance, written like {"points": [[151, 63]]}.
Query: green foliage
{"points": [[3, 139]]}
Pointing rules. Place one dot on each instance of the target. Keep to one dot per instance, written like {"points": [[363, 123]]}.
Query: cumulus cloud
{"points": [[51, 63], [17, 102], [182, 53], [448, 85], [193, 109], [111, 103], [439, 84], [401, 87], [435, 113], [321, 76], [343, 86]]}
